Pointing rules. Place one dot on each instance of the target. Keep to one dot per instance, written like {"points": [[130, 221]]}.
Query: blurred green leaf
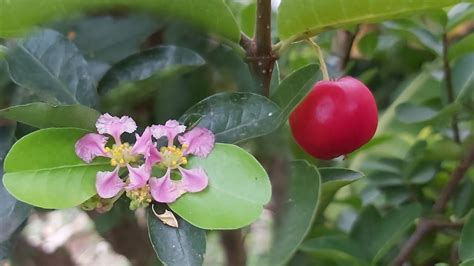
{"points": [[463, 199], [248, 18], [411, 113], [467, 263], [12, 212], [385, 179], [43, 115], [416, 90], [139, 75], [466, 245], [3, 51], [444, 149], [378, 234], [368, 43], [238, 188], [212, 15], [294, 88], [235, 117], [298, 213], [302, 19], [420, 35], [463, 46], [51, 66], [463, 78], [125, 35], [459, 14], [182, 246], [54, 177], [338, 247], [333, 179]]}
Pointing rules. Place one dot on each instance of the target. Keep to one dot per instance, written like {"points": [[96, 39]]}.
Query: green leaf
{"points": [[212, 15], [467, 263], [466, 245], [43, 115], [368, 44], [411, 113], [12, 212], [378, 234], [298, 212], [300, 19], [235, 117], [463, 46], [459, 14], [463, 199], [53, 177], [463, 78], [417, 90], [137, 76], [238, 188], [117, 45], [182, 246], [294, 88], [3, 51], [52, 67], [334, 179], [248, 18], [338, 247], [417, 34]]}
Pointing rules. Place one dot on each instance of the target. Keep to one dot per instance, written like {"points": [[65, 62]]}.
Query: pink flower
{"points": [[199, 142], [140, 159], [109, 184]]}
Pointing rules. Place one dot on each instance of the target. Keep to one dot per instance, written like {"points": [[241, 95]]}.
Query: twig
{"points": [[426, 226], [449, 87], [348, 46], [259, 49], [454, 181], [320, 55]]}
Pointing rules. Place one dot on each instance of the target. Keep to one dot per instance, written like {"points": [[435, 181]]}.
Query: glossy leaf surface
{"points": [[238, 189], [54, 177], [234, 117]]}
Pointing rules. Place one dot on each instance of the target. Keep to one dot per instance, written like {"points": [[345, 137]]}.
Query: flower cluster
{"points": [[140, 161]]}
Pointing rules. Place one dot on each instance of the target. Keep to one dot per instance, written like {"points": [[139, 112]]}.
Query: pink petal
{"points": [[138, 176], [108, 184], [114, 126], [164, 189], [200, 141], [193, 180], [143, 143], [90, 146], [169, 130], [153, 156]]}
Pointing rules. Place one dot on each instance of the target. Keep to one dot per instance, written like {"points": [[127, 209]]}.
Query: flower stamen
{"points": [[120, 154], [172, 157]]}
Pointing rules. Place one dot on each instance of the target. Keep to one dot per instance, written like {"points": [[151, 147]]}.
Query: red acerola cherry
{"points": [[335, 118]]}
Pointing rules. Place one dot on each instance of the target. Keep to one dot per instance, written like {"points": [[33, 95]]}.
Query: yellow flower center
{"points": [[120, 154], [140, 198], [173, 157]]}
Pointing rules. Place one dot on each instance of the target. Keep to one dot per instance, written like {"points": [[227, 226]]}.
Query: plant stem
{"points": [[259, 49], [322, 63], [449, 87], [427, 226], [347, 45], [424, 227]]}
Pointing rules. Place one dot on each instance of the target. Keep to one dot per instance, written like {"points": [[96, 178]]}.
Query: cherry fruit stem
{"points": [[319, 53]]}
